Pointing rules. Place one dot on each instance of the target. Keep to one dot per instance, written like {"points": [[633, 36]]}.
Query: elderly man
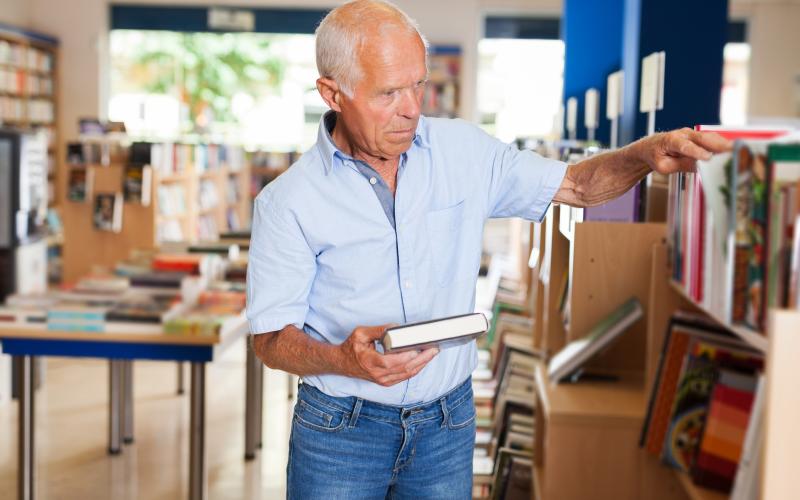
{"points": [[381, 222]]}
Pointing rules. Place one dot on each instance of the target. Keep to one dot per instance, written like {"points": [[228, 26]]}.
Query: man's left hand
{"points": [[679, 150]]}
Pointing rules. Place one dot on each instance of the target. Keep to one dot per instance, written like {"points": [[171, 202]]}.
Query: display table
{"points": [[121, 348]]}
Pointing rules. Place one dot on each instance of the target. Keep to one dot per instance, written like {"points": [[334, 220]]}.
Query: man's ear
{"points": [[330, 92]]}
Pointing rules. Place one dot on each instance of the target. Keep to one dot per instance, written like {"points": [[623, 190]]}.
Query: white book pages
{"points": [[443, 332]]}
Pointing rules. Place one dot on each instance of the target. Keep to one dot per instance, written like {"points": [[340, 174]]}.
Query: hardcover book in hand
{"points": [[444, 333]]}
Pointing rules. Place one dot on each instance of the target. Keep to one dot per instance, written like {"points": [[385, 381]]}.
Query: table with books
{"points": [[136, 317]]}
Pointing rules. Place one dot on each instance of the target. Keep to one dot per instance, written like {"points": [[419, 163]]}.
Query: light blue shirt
{"points": [[331, 249]]}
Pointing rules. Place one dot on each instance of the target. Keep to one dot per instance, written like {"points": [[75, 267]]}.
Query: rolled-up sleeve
{"points": [[280, 270], [521, 183]]}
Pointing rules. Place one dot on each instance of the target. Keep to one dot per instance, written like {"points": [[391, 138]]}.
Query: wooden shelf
{"points": [[624, 399], [538, 476], [210, 174], [696, 492], [752, 337], [173, 177], [172, 216]]}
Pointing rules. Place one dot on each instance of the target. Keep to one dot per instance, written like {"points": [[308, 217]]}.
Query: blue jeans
{"points": [[349, 448]]}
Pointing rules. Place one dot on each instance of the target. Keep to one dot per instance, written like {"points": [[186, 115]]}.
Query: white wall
{"points": [[15, 12], [774, 36]]}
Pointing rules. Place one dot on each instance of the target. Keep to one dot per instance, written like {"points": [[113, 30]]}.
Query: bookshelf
{"points": [[443, 91], [782, 439], [591, 429], [189, 201], [28, 90], [752, 337], [265, 166]]}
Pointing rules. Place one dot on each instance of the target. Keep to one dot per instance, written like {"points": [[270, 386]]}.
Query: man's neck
{"points": [[386, 167]]}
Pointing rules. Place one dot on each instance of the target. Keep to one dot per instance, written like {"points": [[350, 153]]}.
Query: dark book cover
{"points": [[107, 215], [78, 187], [137, 184], [158, 280]]}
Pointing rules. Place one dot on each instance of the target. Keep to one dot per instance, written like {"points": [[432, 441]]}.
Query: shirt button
{"points": [[407, 284], [373, 180]]}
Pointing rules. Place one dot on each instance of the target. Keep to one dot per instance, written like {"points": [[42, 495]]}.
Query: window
{"points": [[520, 76], [519, 86], [733, 105], [251, 88]]}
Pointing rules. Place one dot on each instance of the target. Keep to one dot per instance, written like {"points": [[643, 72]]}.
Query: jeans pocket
{"points": [[461, 415], [317, 417]]}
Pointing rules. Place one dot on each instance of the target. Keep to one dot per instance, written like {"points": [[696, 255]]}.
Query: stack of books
{"points": [[504, 399], [703, 403], [733, 244]]}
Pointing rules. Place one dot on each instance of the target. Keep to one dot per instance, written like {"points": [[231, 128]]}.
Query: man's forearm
{"points": [[293, 351], [601, 178]]}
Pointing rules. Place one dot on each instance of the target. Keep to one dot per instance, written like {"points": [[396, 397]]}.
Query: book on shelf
{"points": [[747, 483], [107, 214], [141, 309], [75, 154], [719, 452], [574, 355], [22, 318], [512, 475], [701, 399], [76, 318], [443, 332], [202, 321], [207, 197], [137, 183], [79, 184], [207, 228], [731, 227], [188, 263], [171, 199], [102, 285]]}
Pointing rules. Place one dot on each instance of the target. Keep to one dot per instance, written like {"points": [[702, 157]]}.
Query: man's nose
{"points": [[410, 105]]}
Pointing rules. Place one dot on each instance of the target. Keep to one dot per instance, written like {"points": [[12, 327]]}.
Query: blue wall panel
{"points": [[592, 31], [693, 34]]}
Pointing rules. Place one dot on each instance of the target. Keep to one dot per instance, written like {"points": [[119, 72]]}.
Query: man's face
{"points": [[381, 117]]}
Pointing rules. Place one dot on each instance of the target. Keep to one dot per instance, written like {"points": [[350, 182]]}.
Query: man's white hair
{"points": [[342, 32]]}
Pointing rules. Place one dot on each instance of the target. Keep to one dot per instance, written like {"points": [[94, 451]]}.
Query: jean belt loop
{"points": [[354, 414], [445, 414]]}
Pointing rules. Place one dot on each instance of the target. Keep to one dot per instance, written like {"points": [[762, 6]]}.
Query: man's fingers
{"points": [[682, 146], [423, 359], [366, 334], [711, 141]]}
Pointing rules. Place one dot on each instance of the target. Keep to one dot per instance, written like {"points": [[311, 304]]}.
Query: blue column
{"points": [[693, 35], [592, 31]]}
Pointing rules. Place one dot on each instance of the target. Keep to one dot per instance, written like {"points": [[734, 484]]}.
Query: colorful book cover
{"points": [[700, 372], [726, 425], [783, 177], [664, 388], [749, 206], [688, 410]]}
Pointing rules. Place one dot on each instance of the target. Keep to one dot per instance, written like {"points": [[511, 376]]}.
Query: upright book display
{"points": [[148, 195]]}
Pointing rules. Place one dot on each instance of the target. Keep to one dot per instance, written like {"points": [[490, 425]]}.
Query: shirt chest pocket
{"points": [[443, 231]]}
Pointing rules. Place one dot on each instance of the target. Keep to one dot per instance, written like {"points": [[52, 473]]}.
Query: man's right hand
{"points": [[361, 360]]}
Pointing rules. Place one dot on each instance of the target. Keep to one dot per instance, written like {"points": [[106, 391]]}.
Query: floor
{"points": [[72, 435]]}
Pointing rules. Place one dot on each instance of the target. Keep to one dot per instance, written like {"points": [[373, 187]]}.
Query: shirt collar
{"points": [[328, 150]]}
